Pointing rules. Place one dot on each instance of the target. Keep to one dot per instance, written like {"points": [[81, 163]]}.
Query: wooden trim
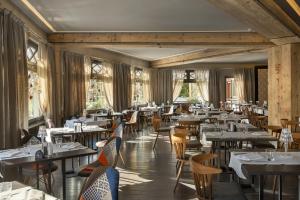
{"points": [[194, 56], [230, 39]]}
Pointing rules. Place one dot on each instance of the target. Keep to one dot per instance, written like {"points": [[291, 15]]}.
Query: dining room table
{"points": [[14, 190], [23, 156], [234, 140], [263, 163], [86, 135]]}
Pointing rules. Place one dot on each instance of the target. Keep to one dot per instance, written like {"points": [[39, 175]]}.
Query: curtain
{"points": [[87, 77], [146, 86], [249, 84], [178, 76], [202, 76], [162, 85], [213, 87], [74, 100], [13, 80], [121, 86], [239, 81], [108, 84], [245, 84]]}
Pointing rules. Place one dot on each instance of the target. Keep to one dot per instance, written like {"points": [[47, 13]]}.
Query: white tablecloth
{"points": [[237, 159], [24, 193]]}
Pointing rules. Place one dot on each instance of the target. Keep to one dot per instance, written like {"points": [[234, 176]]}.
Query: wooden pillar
{"points": [[283, 82]]}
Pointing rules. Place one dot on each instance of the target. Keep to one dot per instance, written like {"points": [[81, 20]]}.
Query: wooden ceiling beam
{"points": [[196, 56], [259, 18], [161, 39]]}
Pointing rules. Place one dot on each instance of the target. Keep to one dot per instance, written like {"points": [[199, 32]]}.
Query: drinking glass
{"points": [[270, 154], [58, 140]]}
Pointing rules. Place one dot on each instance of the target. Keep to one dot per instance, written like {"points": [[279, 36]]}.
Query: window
{"points": [[140, 84], [32, 53], [96, 92], [231, 93]]}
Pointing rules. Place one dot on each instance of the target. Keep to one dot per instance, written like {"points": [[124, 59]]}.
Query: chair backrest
{"points": [[110, 152], [171, 111], [156, 123], [133, 118], [179, 143], [50, 123], [284, 123], [202, 170], [30, 140], [102, 184]]}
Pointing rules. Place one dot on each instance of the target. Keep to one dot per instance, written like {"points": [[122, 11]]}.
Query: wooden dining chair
{"points": [[132, 124], [284, 123], [206, 188], [167, 116], [107, 157], [103, 184], [158, 129], [190, 144], [193, 128]]}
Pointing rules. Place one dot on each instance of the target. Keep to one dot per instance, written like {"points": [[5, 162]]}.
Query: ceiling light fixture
{"points": [[37, 14]]}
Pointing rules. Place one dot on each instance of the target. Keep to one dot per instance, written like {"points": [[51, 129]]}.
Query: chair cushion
{"points": [[193, 144], [164, 129], [227, 191]]}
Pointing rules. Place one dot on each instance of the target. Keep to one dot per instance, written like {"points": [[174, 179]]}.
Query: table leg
{"points": [[49, 177], [279, 187], [298, 187], [37, 176], [261, 187], [63, 171]]}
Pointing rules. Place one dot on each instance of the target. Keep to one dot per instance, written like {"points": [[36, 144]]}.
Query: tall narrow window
{"points": [[32, 54], [96, 92], [231, 94], [138, 93]]}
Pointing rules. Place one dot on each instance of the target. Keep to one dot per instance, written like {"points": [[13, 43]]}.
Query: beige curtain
{"points": [[178, 76], [13, 81], [161, 85], [108, 84], [146, 86], [249, 84], [214, 87], [239, 81], [73, 84], [202, 84], [87, 77], [121, 86]]}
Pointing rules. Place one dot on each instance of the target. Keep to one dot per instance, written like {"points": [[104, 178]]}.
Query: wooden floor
{"points": [[150, 174]]}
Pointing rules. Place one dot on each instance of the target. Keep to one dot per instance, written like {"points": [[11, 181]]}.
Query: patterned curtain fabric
{"points": [[73, 84], [108, 84], [46, 70], [214, 88], [178, 76], [162, 85], [13, 81], [202, 77], [121, 86]]}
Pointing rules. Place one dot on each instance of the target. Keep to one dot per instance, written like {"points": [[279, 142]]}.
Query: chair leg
{"points": [[122, 159], [274, 184], [155, 140], [170, 140], [178, 174]]}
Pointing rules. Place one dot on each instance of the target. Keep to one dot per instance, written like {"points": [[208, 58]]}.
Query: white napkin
{"points": [[10, 153], [250, 157]]}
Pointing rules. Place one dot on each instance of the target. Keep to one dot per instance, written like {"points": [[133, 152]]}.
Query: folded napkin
{"points": [[250, 157], [10, 153]]}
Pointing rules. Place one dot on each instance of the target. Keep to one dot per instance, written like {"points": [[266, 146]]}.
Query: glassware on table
{"points": [[42, 133], [270, 154], [58, 141]]}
